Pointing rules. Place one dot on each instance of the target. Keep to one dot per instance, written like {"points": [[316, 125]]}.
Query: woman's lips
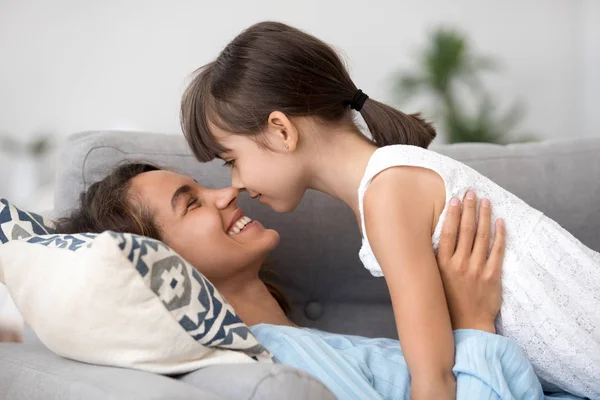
{"points": [[241, 226], [239, 213]]}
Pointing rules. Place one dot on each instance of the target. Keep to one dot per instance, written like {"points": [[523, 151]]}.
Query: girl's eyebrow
{"points": [[185, 189], [223, 154]]}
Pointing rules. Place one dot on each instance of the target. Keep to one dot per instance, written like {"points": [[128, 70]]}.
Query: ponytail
{"points": [[391, 126], [237, 92]]}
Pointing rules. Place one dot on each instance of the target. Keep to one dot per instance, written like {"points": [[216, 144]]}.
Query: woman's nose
{"points": [[226, 197]]}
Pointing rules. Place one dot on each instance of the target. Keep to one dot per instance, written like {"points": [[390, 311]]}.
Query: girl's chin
{"points": [[277, 206], [283, 208]]}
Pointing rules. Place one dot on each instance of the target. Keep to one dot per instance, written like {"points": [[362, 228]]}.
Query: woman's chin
{"points": [[255, 234], [273, 235], [263, 246]]}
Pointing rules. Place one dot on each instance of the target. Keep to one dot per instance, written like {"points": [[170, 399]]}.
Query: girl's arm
{"points": [[400, 214]]}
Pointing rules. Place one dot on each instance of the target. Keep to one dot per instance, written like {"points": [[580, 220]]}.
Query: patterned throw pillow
{"points": [[120, 300], [17, 224]]}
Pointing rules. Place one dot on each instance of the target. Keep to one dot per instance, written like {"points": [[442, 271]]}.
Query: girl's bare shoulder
{"points": [[420, 190]]}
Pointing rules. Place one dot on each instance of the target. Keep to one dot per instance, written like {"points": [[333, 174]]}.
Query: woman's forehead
{"points": [[163, 181]]}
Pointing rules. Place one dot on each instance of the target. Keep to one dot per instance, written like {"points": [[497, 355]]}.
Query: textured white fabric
{"points": [[551, 281]]}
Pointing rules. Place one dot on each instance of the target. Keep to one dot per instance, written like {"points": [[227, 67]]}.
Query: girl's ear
{"points": [[281, 132]]}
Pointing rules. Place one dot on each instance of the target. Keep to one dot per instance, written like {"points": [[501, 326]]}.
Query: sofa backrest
{"points": [[317, 264]]}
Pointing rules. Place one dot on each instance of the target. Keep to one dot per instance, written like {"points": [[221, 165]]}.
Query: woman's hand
{"points": [[11, 322], [472, 280], [10, 334]]}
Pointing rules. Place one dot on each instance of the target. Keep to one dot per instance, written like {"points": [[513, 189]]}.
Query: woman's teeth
{"points": [[239, 225]]}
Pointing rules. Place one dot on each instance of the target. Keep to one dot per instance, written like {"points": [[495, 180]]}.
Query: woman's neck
{"points": [[253, 302], [340, 165]]}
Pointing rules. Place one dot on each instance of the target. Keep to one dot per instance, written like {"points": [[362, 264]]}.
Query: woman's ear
{"points": [[281, 132]]}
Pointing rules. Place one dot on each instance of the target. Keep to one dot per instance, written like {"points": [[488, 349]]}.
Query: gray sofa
{"points": [[317, 263]]}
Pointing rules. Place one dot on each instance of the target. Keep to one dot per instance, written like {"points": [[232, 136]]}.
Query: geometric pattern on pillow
{"points": [[192, 300], [71, 242], [16, 224]]}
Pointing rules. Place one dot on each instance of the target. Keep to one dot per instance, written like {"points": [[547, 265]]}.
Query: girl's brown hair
{"points": [[274, 67], [109, 205]]}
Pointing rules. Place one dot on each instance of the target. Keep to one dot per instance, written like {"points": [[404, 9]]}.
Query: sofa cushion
{"points": [[316, 265], [259, 382], [32, 372], [123, 300]]}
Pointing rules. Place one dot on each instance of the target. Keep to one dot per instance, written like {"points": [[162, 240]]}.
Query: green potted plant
{"points": [[446, 71], [30, 167]]}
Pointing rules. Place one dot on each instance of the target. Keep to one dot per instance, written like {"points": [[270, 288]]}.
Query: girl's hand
{"points": [[472, 280]]}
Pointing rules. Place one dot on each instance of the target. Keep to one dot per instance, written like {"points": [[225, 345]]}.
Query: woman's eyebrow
{"points": [[185, 189]]}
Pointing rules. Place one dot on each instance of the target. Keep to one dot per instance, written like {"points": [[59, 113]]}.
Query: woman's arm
{"points": [[490, 366], [399, 217], [487, 366]]}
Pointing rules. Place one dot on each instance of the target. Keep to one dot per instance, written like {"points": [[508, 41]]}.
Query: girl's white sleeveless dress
{"points": [[551, 281]]}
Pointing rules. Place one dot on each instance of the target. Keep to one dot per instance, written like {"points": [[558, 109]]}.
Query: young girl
{"points": [[276, 106]]}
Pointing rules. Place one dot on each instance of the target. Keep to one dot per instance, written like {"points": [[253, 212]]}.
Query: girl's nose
{"points": [[236, 182]]}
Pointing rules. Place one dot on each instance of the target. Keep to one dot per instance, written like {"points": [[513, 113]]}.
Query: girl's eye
{"points": [[229, 163]]}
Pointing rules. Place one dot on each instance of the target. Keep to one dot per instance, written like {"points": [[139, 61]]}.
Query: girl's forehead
{"points": [[217, 131]]}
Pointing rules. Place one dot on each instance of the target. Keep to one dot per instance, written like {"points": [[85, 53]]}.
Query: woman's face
{"points": [[204, 226]]}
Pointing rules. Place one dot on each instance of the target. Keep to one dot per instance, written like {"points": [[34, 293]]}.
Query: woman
{"points": [[206, 227]]}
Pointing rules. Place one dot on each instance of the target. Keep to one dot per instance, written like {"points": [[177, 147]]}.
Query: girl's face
{"points": [[272, 173], [204, 226]]}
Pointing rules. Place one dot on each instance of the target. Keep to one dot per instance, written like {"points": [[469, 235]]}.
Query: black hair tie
{"points": [[358, 100]]}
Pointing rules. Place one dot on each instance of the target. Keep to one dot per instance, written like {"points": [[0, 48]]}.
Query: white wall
{"points": [[590, 63], [72, 65]]}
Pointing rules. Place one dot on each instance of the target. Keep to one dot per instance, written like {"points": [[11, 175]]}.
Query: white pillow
{"points": [[123, 300]]}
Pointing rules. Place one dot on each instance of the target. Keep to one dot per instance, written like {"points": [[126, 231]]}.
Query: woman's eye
{"points": [[229, 163], [191, 203]]}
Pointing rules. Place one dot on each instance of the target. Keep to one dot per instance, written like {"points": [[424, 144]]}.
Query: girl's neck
{"points": [[338, 169], [252, 301]]}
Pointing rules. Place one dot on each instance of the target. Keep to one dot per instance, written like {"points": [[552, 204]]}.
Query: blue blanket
{"points": [[487, 366]]}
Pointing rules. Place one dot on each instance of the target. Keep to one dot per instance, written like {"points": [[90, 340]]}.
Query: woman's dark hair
{"points": [[274, 67], [109, 205]]}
